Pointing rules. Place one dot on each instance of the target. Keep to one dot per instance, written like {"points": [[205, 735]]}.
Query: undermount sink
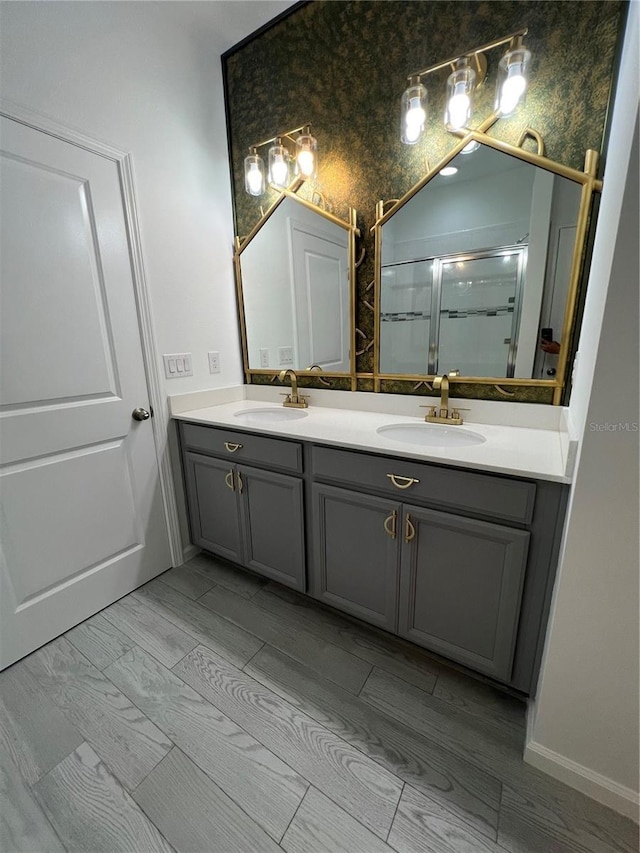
{"points": [[269, 415], [431, 435]]}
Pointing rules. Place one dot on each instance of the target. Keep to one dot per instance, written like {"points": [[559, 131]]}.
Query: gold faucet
{"points": [[440, 414], [292, 400]]}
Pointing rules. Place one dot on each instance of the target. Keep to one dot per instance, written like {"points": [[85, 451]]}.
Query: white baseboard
{"points": [[188, 552], [617, 797]]}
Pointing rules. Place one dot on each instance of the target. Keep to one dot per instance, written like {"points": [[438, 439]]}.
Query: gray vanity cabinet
{"points": [[213, 506], [356, 554], [250, 515], [271, 512], [461, 585]]}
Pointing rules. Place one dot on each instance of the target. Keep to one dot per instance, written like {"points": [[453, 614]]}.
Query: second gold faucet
{"points": [[293, 399], [440, 414]]}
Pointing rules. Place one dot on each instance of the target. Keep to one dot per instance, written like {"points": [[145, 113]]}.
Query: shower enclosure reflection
{"points": [[473, 266]]}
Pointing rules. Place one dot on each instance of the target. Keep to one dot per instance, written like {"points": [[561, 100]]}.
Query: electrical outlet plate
{"points": [[214, 362], [177, 365], [264, 358]]}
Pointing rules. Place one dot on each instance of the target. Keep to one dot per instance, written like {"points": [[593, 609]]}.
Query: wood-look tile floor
{"points": [[212, 711]]}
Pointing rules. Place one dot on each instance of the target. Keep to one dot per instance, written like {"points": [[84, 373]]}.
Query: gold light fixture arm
{"points": [[470, 53], [287, 134]]}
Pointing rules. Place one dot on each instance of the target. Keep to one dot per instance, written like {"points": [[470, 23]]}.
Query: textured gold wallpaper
{"points": [[342, 66]]}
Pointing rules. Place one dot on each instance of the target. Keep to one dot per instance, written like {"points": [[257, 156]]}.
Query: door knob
{"points": [[140, 415]]}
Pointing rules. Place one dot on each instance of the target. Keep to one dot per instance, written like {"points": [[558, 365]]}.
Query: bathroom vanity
{"points": [[447, 554]]}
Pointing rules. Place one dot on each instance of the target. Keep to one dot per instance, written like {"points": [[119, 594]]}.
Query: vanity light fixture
{"points": [[468, 72], [301, 149]]}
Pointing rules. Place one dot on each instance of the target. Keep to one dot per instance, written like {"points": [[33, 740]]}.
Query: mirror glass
{"points": [[476, 269], [295, 289]]}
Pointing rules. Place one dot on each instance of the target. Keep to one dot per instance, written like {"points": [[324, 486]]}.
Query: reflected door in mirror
{"points": [[296, 291]]}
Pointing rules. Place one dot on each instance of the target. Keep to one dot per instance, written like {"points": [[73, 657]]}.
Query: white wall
{"points": [[585, 723], [146, 77]]}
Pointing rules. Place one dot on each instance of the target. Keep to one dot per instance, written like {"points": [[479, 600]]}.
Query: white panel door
{"points": [[81, 515], [321, 298]]}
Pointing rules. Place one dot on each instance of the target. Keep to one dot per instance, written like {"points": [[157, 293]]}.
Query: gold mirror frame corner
{"points": [[306, 378], [590, 184]]}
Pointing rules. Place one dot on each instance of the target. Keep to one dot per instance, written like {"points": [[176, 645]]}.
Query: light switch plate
{"points": [[177, 365], [214, 362], [285, 354]]}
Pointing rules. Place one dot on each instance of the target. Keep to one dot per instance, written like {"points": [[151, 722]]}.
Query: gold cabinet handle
{"points": [[232, 447], [240, 483], [402, 482], [391, 520], [409, 529], [229, 480]]}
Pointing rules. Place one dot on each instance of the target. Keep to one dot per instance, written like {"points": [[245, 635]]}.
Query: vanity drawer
{"points": [[484, 494], [243, 447]]}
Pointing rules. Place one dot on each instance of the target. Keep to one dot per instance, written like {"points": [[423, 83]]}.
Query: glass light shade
{"points": [[460, 86], [470, 147], [278, 165], [413, 113], [254, 183], [513, 71], [307, 156]]}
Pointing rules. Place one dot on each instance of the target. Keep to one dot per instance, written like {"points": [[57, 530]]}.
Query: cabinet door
{"points": [[213, 505], [356, 554], [461, 587], [272, 511]]}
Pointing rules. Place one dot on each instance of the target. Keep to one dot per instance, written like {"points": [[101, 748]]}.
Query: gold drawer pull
{"points": [[240, 483], [229, 480], [391, 520], [409, 529], [232, 447], [402, 482]]}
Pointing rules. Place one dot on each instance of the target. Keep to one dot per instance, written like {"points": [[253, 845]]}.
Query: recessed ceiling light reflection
{"points": [[448, 170]]}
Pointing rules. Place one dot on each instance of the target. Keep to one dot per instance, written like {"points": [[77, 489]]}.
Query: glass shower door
{"points": [[478, 317]]}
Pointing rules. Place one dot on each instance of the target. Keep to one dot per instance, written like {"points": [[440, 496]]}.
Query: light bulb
{"points": [[279, 171], [512, 89], [254, 179], [412, 132], [459, 110], [306, 155], [278, 165], [413, 112], [512, 79], [253, 174], [305, 162], [460, 85]]}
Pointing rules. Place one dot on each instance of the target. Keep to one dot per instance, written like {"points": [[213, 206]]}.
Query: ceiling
{"points": [[224, 22]]}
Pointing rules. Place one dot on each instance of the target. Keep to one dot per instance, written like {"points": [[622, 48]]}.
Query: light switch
{"points": [[285, 354], [177, 365]]}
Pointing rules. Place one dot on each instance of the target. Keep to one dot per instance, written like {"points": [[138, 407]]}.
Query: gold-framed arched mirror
{"points": [[295, 274], [478, 266]]}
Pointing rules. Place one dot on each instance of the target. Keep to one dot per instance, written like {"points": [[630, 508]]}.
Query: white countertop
{"points": [[515, 450]]}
